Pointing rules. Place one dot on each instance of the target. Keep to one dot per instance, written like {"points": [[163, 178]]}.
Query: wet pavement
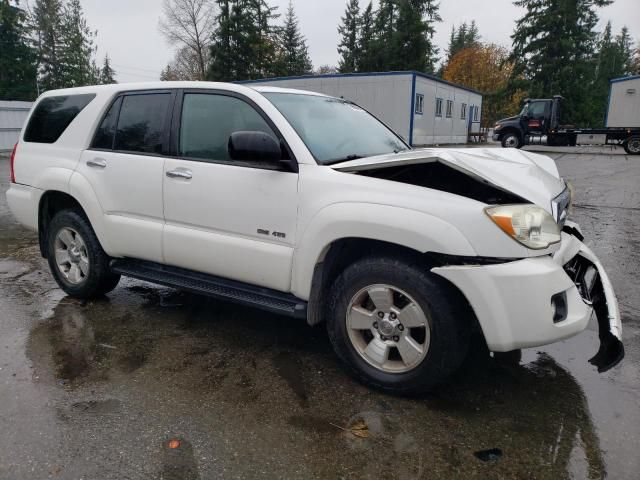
{"points": [[150, 383]]}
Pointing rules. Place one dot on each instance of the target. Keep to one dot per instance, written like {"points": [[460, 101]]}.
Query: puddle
{"points": [[290, 368], [86, 343]]}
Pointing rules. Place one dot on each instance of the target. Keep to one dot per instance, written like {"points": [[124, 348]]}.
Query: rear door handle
{"points": [[180, 173], [97, 163]]}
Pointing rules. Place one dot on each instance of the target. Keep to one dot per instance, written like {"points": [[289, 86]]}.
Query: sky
{"points": [[128, 29]]}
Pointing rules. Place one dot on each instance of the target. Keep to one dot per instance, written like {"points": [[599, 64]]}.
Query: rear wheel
{"points": [[632, 145], [396, 326], [511, 140], [77, 261]]}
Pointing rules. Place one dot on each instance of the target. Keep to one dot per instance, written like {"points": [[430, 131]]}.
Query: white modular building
{"points": [[423, 109], [12, 117], [624, 103]]}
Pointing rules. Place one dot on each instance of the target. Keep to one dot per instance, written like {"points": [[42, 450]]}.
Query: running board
{"points": [[212, 286]]}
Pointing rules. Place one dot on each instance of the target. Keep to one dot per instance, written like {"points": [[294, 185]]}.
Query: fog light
{"points": [[559, 307]]}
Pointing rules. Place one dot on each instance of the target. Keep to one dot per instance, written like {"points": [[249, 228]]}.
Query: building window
{"points": [[419, 103], [476, 114], [463, 112], [438, 107], [449, 108]]}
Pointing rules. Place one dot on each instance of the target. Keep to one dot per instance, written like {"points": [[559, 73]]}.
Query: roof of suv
{"points": [[121, 87]]}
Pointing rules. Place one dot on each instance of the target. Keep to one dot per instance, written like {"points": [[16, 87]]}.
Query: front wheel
{"points": [[632, 145], [396, 326], [511, 140], [78, 263]]}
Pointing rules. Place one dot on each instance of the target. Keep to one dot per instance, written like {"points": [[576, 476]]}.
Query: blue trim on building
{"points": [[413, 108], [624, 79], [361, 74]]}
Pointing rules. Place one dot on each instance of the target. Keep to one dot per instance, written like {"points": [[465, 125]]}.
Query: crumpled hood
{"points": [[531, 176]]}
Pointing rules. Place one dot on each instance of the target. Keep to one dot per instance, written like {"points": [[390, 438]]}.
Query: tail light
{"points": [[11, 163]]}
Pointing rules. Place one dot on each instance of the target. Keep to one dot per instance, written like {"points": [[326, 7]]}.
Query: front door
{"points": [[536, 117], [232, 219]]}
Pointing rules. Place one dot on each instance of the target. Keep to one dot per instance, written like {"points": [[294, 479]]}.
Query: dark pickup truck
{"points": [[539, 123]]}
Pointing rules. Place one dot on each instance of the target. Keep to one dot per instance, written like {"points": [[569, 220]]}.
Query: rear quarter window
{"points": [[53, 115]]}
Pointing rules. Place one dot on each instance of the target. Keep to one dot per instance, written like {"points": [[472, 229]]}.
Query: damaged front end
{"points": [[594, 286]]}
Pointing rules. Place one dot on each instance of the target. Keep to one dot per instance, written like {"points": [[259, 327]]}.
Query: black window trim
{"points": [[165, 129], [174, 136]]}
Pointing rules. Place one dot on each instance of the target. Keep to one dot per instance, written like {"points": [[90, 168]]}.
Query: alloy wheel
{"points": [[388, 328]]}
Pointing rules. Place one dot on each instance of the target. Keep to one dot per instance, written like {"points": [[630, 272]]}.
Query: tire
{"points": [[77, 261], [511, 140], [443, 341], [632, 145]]}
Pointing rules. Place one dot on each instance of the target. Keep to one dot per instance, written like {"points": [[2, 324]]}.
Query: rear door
{"points": [[228, 218], [125, 169]]}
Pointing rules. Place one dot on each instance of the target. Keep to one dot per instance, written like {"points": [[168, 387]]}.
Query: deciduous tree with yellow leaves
{"points": [[485, 67]]}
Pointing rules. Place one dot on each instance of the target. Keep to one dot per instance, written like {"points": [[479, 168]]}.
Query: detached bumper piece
{"points": [[596, 290]]}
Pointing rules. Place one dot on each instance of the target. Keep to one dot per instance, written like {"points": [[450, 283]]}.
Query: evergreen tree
{"points": [[107, 73], [366, 62], [412, 47], [635, 62], [293, 54], [244, 42], [78, 49], [349, 47], [264, 38], [624, 42], [464, 37], [47, 17], [553, 45], [17, 57], [222, 55], [403, 35], [383, 29]]}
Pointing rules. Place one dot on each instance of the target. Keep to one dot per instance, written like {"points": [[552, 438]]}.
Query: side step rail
{"points": [[212, 286]]}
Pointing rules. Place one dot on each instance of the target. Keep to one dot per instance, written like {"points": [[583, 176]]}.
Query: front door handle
{"points": [[180, 173], [97, 163]]}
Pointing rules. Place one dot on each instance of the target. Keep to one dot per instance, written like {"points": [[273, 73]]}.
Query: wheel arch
{"points": [[52, 202], [405, 228], [507, 130]]}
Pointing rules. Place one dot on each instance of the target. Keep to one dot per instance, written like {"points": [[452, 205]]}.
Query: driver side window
{"points": [[207, 122], [536, 109]]}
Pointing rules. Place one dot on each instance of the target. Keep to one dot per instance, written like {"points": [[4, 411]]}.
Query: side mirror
{"points": [[254, 146]]}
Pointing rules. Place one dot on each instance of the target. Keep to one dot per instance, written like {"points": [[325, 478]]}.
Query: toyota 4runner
{"points": [[308, 206]]}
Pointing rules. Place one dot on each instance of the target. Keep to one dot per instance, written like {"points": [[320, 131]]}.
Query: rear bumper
{"points": [[23, 202], [513, 301]]}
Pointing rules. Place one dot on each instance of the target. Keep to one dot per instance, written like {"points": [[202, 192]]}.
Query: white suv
{"points": [[308, 206]]}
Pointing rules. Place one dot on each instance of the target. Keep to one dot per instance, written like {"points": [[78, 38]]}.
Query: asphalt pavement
{"points": [[153, 383]]}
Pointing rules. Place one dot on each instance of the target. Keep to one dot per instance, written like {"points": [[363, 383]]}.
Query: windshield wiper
{"points": [[344, 159]]}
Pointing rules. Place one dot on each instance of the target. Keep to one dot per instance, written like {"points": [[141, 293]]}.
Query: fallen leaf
{"points": [[358, 428]]}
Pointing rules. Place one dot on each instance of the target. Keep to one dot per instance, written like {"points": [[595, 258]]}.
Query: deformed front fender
{"points": [[401, 226]]}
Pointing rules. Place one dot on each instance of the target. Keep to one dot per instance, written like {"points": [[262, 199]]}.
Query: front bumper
{"points": [[513, 301], [496, 137]]}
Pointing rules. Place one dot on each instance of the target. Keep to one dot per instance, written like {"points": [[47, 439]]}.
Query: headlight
{"points": [[529, 225], [497, 127]]}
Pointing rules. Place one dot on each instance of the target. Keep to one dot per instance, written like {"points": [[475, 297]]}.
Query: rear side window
{"points": [[107, 129], [53, 115], [141, 123]]}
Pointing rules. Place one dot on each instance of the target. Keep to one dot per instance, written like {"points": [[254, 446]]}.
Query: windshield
{"points": [[335, 130]]}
